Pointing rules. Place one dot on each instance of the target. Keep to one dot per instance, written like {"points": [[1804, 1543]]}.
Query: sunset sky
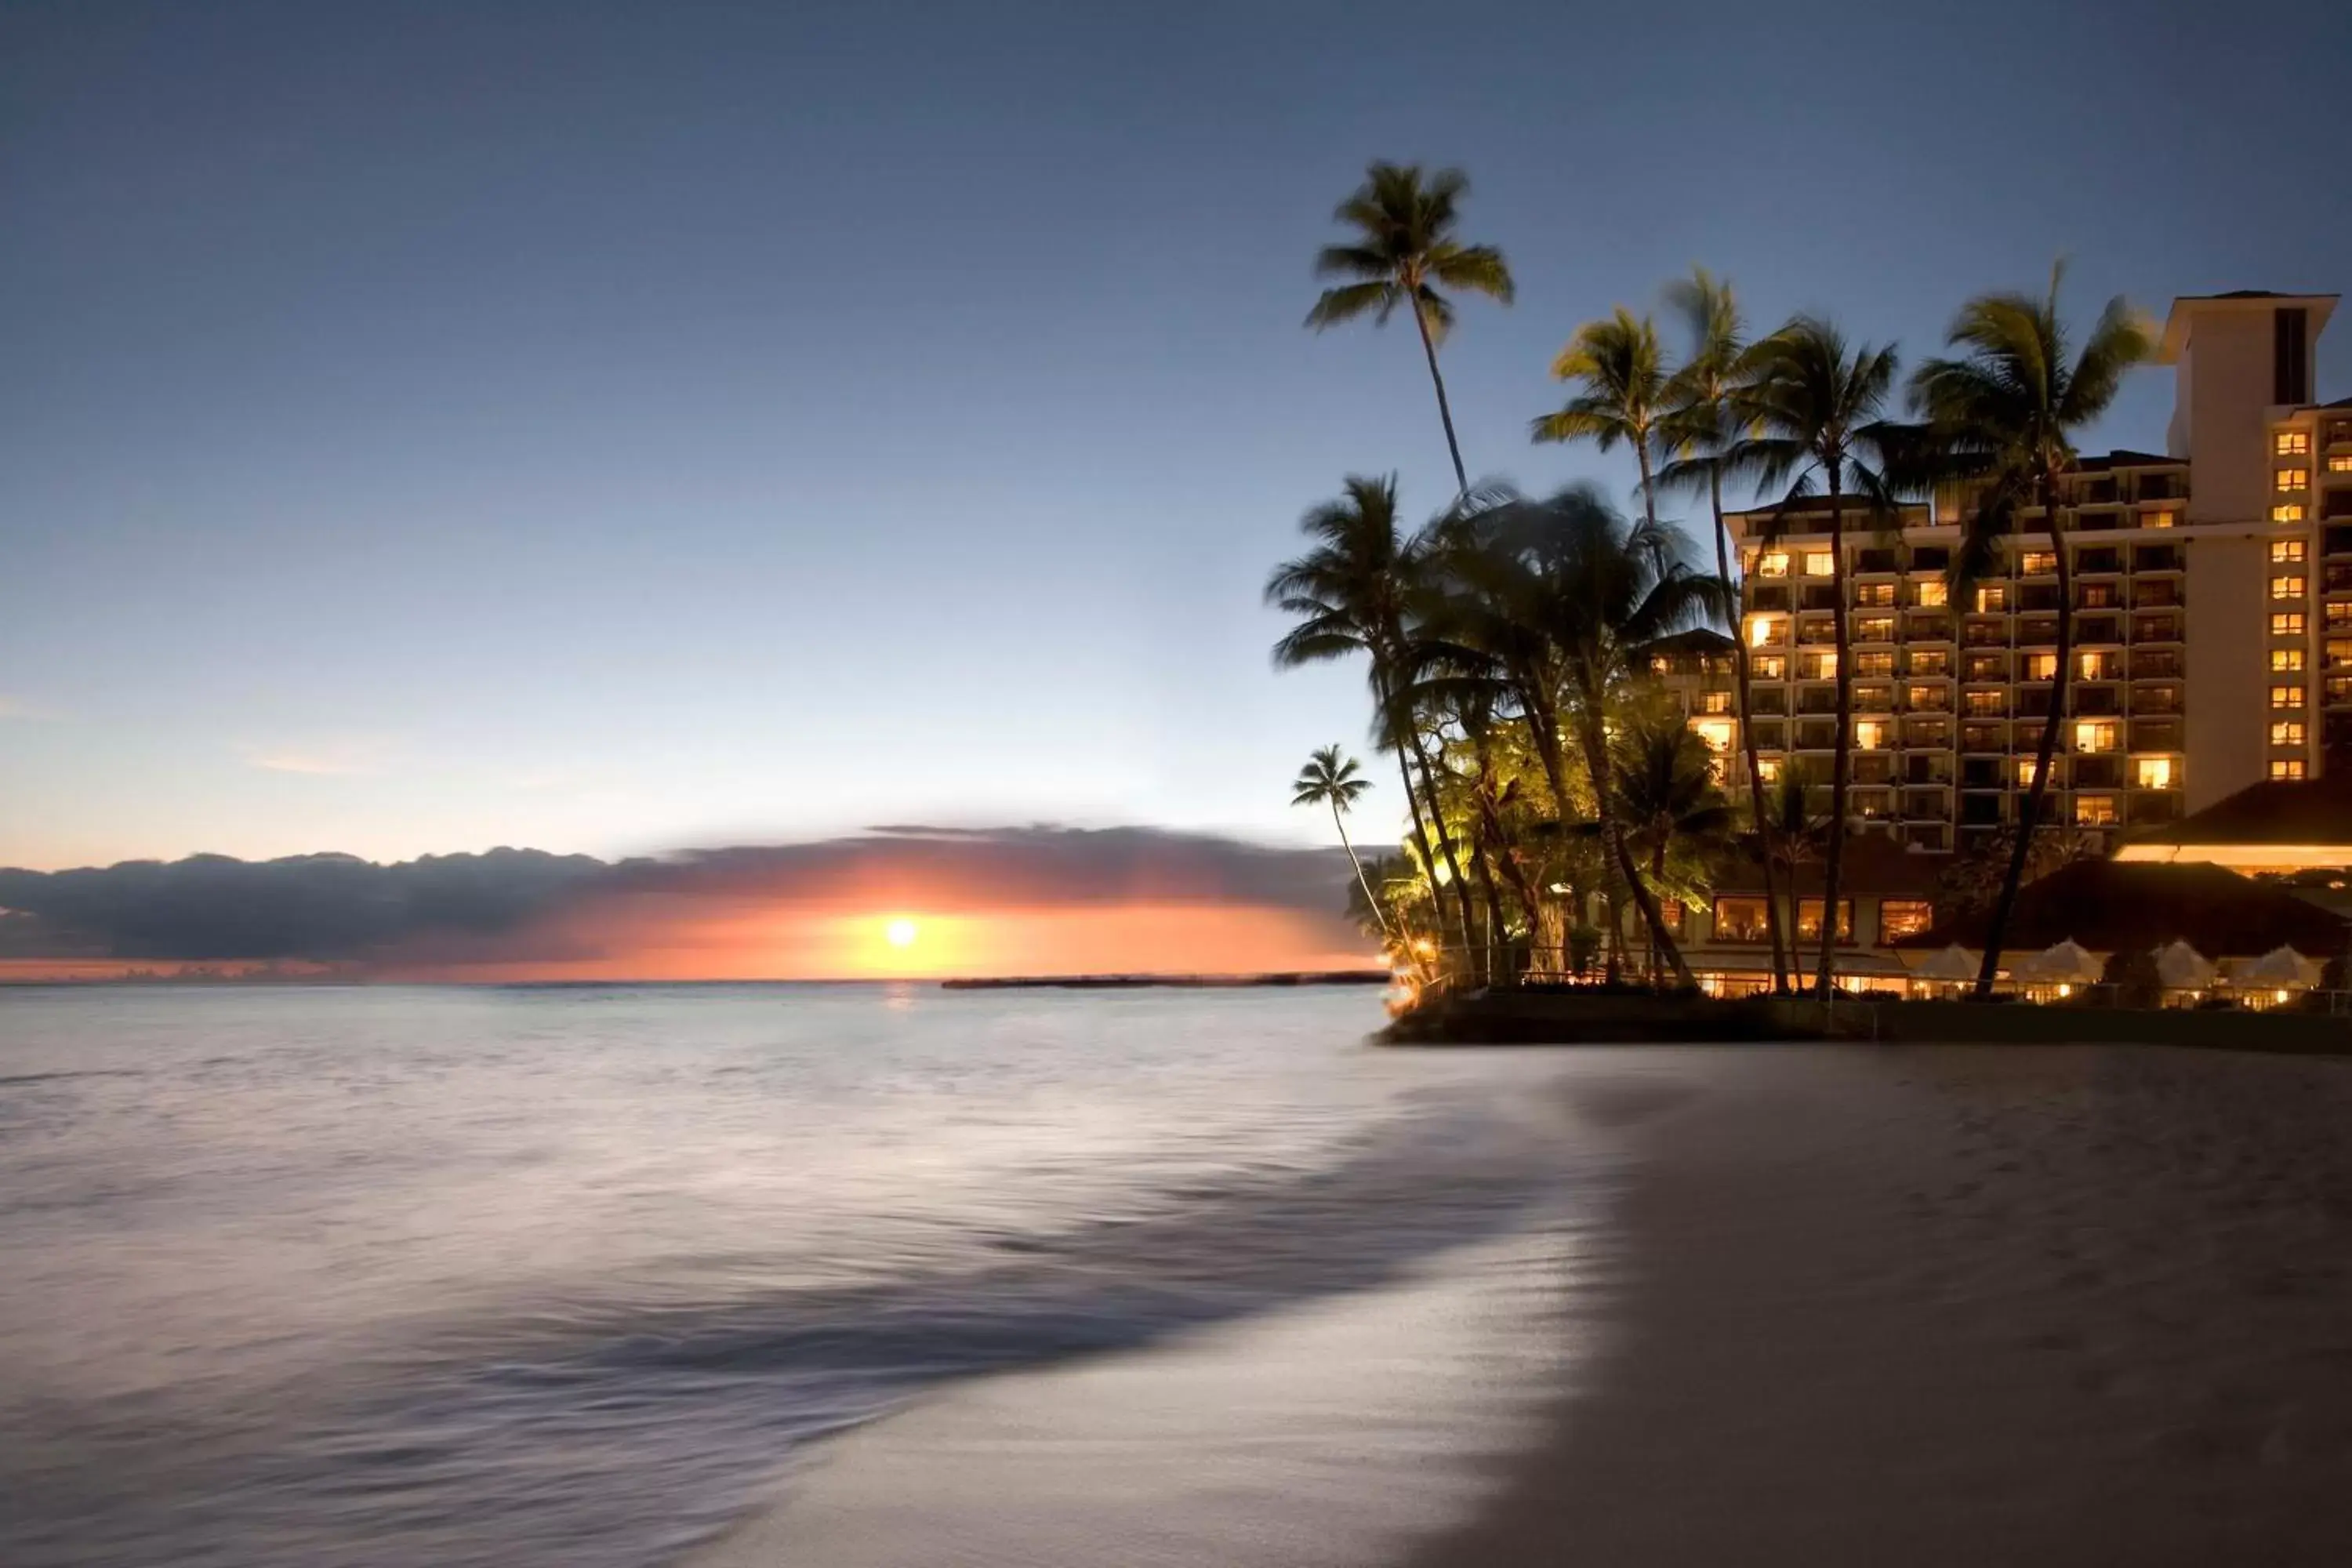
{"points": [[615, 428]]}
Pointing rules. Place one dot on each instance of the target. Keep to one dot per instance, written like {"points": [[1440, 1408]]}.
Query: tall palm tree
{"points": [[2002, 416], [1703, 423], [1621, 377], [1818, 403], [1570, 601], [1332, 778], [1349, 593], [1405, 247]]}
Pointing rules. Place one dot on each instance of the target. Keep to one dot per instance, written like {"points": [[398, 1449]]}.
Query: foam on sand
{"points": [[1329, 1434]]}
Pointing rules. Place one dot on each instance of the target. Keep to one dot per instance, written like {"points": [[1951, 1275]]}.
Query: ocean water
{"points": [[578, 1275]]}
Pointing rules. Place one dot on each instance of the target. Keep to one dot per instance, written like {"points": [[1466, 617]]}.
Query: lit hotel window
{"points": [[1869, 734], [2286, 696], [2102, 665], [1899, 918], [2094, 810], [1932, 593], [1715, 701], [1767, 631], [2155, 773], [1817, 666], [2025, 771], [2286, 660], [2287, 587], [2290, 512], [2289, 768], [2095, 735], [2287, 623], [2037, 562], [2292, 480], [1993, 600], [2292, 444], [2286, 551], [2040, 667], [2287, 733], [2339, 465], [2158, 520], [1716, 733], [1820, 564], [1773, 564], [1770, 666]]}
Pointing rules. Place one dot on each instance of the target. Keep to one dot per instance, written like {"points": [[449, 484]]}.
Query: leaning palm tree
{"points": [[1349, 593], [1570, 602], [1620, 381], [2003, 417], [1403, 249], [1818, 403], [1332, 778], [1703, 427]]}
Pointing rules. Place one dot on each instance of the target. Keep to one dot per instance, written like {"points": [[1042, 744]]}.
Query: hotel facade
{"points": [[2213, 622]]}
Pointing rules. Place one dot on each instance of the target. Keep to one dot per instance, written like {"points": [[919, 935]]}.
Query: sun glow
{"points": [[901, 932]]}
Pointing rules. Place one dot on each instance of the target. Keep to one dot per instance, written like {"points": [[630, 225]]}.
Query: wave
{"points": [[613, 1427]]}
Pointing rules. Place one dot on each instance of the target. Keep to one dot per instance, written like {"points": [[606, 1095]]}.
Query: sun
{"points": [[901, 932]]}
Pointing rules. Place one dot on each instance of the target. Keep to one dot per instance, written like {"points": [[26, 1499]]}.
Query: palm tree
{"points": [[1667, 797], [1702, 428], [2003, 417], [1405, 247], [1621, 374], [1332, 778], [1570, 601], [1818, 403], [1350, 592]]}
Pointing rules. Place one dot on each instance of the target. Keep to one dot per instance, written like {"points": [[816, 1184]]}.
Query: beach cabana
{"points": [[2277, 975], [1953, 966], [2181, 968], [2058, 970]]}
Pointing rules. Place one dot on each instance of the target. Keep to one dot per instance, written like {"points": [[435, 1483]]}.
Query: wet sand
{"points": [[1969, 1307], [1842, 1305]]}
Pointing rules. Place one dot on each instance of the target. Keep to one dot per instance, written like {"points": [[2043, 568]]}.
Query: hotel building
{"points": [[2213, 630]]}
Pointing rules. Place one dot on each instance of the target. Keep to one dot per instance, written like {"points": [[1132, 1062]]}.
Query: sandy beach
{"points": [[1955, 1306], [1850, 1306]]}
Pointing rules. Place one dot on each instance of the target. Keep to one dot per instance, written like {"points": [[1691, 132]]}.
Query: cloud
{"points": [[18, 707], [735, 908], [329, 758]]}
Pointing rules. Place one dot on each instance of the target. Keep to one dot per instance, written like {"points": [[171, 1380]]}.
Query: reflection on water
{"points": [[564, 1276]]}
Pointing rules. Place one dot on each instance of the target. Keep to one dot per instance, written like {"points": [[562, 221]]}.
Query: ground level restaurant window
{"points": [[1899, 918], [1808, 920], [1739, 919]]}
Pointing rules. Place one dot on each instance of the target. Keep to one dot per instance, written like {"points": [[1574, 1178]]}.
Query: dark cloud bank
{"points": [[337, 909]]}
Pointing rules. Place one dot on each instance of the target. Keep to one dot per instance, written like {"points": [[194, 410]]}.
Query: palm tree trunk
{"points": [[1658, 873], [1362, 880], [1445, 842], [1496, 851], [2030, 819], [1412, 804], [1596, 760], [1649, 485], [1445, 409], [1747, 740], [1841, 754]]}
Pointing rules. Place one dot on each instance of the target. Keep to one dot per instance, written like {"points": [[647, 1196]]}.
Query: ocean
{"points": [[587, 1276]]}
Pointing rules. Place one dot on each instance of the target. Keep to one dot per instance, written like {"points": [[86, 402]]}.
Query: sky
{"points": [[609, 429]]}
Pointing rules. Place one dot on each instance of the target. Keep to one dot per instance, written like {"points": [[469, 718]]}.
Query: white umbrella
{"points": [[2181, 968], [2280, 967], [2064, 964], [1954, 963]]}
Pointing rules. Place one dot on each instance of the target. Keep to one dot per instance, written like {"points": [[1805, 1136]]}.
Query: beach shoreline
{"points": [[1843, 1304]]}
